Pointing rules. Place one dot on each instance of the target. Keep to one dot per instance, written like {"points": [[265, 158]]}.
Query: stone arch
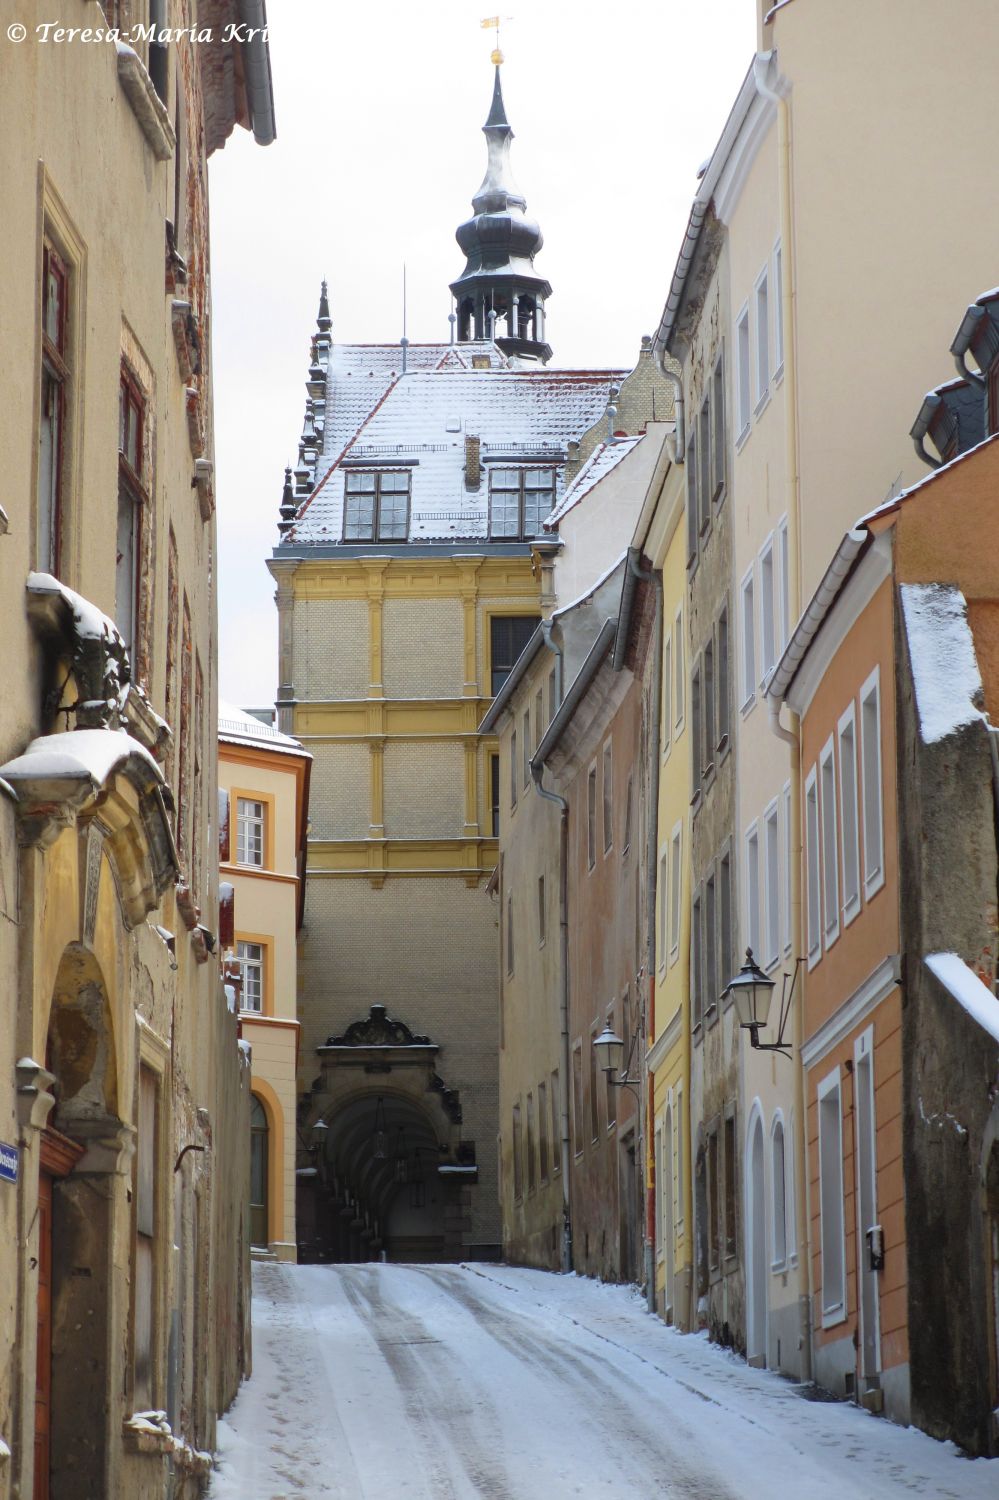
{"points": [[81, 1049], [271, 1104]]}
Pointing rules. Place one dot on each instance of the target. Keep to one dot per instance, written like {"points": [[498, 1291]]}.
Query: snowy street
{"points": [[446, 1382]]}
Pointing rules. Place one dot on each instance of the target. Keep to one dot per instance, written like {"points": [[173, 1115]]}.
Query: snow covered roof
{"points": [[377, 416], [942, 656], [238, 727], [604, 458], [967, 989]]}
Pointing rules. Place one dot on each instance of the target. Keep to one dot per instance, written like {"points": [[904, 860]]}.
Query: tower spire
{"points": [[500, 243]]}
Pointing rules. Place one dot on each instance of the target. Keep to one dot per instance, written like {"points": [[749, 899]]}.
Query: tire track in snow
{"points": [[601, 1400], [441, 1422]]}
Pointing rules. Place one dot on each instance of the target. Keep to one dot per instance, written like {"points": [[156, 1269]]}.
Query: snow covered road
{"points": [[373, 1382]]}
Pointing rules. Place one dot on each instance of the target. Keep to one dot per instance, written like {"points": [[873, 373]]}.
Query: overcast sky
{"points": [[379, 149]]}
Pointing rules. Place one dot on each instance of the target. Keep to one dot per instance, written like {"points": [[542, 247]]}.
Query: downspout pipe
{"points": [[565, 1150], [680, 433], [651, 879], [548, 632], [257, 69]]}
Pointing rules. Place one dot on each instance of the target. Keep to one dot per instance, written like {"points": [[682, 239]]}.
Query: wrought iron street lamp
{"points": [[609, 1046], [751, 991]]}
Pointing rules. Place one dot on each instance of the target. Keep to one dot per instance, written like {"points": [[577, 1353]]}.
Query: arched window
{"points": [[779, 1238], [258, 1172]]}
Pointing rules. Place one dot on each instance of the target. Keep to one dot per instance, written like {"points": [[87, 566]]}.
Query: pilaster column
{"points": [[471, 788], [468, 585], [375, 570]]}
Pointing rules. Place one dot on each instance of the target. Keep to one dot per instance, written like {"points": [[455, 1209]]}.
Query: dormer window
{"points": [[376, 506], [519, 501]]}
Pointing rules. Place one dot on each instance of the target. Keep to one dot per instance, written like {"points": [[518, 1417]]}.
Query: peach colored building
{"points": [[263, 822]]}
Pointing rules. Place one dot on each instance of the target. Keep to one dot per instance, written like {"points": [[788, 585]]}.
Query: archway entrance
{"points": [[259, 1144]]}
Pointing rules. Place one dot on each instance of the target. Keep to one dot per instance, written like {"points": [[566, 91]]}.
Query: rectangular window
{"points": [[762, 339], [748, 642], [771, 855], [664, 908], [696, 962], [709, 707], [731, 1196], [704, 474], [870, 753], [539, 718], [543, 1131], [778, 1238], [591, 818], [679, 671], [676, 877], [54, 401], [778, 310], [608, 797], [508, 635], [692, 509], [718, 446], [710, 946], [184, 808], [519, 501], [813, 868], [518, 1159], [173, 629], [626, 837], [846, 734], [542, 914], [145, 1240], [753, 890], [513, 769], [667, 704], [724, 688], [526, 726], [577, 1098], [790, 867], [249, 831], [494, 794], [696, 732], [376, 506], [743, 361], [594, 1120], [830, 853], [509, 935], [831, 1216], [784, 618], [725, 918], [131, 495], [250, 957], [556, 1104], [768, 611], [678, 1199], [531, 1177]]}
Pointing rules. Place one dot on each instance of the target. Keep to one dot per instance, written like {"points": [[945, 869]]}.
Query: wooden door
{"points": [[43, 1378]]}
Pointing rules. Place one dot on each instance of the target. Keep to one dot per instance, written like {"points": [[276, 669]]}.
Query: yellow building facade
{"points": [[263, 818]]}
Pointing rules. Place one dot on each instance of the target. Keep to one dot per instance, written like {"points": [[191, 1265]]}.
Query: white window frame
{"points": [[679, 674], [769, 591], [871, 793], [752, 910], [719, 436], [849, 788], [778, 1261], [666, 718], [747, 640], [789, 866], [813, 865], [246, 962], [832, 1214], [770, 934], [783, 618], [664, 908], [761, 364], [779, 332], [829, 822], [244, 822], [679, 1148], [676, 890], [743, 384]]}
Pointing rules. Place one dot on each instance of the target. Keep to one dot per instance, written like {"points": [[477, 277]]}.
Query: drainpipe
{"points": [[788, 292], [257, 70], [548, 633], [679, 435], [537, 773], [651, 878]]}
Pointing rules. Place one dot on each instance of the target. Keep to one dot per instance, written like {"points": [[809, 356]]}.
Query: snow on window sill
{"points": [[762, 404], [147, 106], [833, 1315], [740, 441]]}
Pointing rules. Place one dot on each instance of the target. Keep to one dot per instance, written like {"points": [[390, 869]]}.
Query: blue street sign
{"points": [[9, 1159]]}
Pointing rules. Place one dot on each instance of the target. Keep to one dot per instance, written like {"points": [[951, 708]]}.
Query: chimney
{"points": [[473, 465]]}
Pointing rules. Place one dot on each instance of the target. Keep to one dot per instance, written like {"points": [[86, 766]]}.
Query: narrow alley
{"points": [[450, 1382]]}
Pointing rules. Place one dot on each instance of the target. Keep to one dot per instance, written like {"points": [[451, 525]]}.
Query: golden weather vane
{"points": [[492, 23]]}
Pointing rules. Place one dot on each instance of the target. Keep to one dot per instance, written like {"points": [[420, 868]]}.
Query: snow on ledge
{"points": [[967, 989], [942, 653]]}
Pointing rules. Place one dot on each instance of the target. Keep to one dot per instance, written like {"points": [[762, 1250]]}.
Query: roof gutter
{"points": [[811, 622], [257, 70]]}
